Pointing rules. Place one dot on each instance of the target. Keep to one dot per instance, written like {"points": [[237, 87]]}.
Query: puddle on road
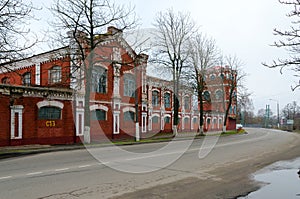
{"points": [[281, 181]]}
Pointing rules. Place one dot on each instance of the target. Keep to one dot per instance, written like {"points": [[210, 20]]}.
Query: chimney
{"points": [[113, 30]]}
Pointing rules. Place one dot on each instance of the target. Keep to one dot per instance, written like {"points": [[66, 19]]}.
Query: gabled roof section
{"points": [[116, 35]]}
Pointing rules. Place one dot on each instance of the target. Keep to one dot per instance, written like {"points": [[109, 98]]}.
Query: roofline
{"points": [[43, 53]]}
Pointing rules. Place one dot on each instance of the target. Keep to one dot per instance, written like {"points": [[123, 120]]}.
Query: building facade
{"points": [[42, 102]]}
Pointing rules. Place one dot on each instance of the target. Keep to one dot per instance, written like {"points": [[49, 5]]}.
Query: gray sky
{"points": [[241, 28]]}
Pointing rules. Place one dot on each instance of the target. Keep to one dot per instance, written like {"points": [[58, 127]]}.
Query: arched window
{"points": [[129, 85], [155, 119], [167, 120], [55, 74], [128, 116], [99, 80], [212, 77], [208, 121], [222, 76], [26, 78], [49, 113], [167, 100], [219, 94], [186, 120], [155, 98], [195, 120], [98, 114], [206, 96]]}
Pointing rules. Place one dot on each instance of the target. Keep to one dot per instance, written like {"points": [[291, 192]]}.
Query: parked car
{"points": [[239, 126]]}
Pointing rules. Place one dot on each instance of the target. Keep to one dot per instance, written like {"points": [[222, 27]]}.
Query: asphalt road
{"points": [[156, 170]]}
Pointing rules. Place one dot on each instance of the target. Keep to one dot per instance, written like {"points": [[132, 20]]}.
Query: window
{"points": [[219, 95], [206, 96], [187, 103], [222, 76], [98, 115], [167, 100], [234, 109], [155, 119], [208, 121], [55, 74], [212, 77], [129, 85], [49, 113], [195, 120], [186, 120], [155, 98], [167, 120], [128, 116], [99, 80], [26, 79], [215, 121]]}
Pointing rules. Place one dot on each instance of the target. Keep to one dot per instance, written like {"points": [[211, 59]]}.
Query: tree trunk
{"points": [[87, 113]]}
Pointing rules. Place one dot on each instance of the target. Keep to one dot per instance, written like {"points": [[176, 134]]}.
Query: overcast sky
{"points": [[241, 28]]}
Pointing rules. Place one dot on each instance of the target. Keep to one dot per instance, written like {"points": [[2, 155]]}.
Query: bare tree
{"points": [[203, 56], [244, 104], [232, 79], [291, 110], [14, 36], [290, 42], [85, 21], [174, 31]]}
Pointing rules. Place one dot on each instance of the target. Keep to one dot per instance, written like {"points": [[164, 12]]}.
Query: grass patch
{"points": [[296, 131]]}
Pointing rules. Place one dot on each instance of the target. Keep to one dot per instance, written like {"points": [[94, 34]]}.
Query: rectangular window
{"points": [[49, 113], [167, 100], [129, 86], [102, 83], [155, 98], [26, 78], [186, 103], [99, 80], [55, 74]]}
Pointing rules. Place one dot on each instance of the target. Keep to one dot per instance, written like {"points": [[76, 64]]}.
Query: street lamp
{"points": [[278, 120]]}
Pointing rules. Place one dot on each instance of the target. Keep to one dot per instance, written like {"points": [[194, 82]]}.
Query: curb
{"points": [[11, 153]]}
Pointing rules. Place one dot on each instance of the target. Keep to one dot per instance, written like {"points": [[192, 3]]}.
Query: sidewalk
{"points": [[16, 151]]}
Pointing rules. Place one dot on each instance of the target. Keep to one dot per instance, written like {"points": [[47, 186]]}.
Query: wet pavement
{"points": [[279, 180]]}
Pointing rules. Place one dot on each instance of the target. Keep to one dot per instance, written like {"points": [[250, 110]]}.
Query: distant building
{"points": [[42, 102]]}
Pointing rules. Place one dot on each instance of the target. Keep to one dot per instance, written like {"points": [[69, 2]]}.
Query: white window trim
{"points": [[19, 110]]}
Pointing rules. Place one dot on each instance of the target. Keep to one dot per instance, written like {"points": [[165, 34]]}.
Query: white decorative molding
{"points": [[98, 106], [50, 103], [128, 109]]}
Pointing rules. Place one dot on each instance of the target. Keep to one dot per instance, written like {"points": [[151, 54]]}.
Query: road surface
{"points": [[149, 170]]}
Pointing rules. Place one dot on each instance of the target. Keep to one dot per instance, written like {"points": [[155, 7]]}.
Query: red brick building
{"points": [[42, 104]]}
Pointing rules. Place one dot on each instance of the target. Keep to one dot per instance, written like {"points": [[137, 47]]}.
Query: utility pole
{"points": [[267, 116], [278, 119]]}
